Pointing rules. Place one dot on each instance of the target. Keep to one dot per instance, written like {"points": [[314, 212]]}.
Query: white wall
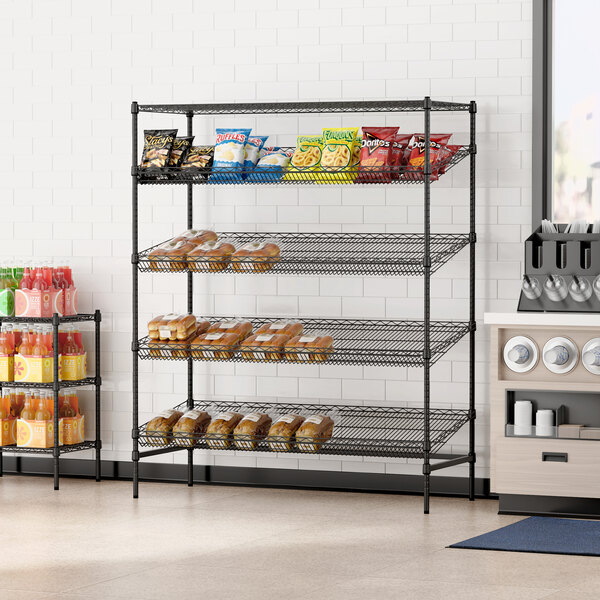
{"points": [[70, 70]]}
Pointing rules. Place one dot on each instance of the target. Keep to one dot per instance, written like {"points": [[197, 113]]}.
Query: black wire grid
{"points": [[230, 175], [61, 384], [88, 445], [358, 430], [322, 254], [355, 342]]}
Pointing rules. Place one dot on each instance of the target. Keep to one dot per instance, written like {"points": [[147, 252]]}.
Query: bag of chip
{"points": [[336, 156], [376, 155], [271, 166], [251, 152], [446, 156], [306, 157], [198, 161], [398, 147], [158, 144], [355, 157], [228, 161], [181, 147], [416, 158]]}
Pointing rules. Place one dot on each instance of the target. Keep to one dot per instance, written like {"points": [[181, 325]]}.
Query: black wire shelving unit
{"points": [[360, 430], [56, 385]]}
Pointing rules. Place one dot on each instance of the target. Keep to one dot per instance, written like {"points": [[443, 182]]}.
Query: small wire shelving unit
{"points": [[417, 433]]}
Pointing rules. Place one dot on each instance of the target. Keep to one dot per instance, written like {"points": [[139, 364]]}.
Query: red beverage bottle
{"points": [[26, 282], [61, 280], [17, 335], [39, 283], [5, 348], [49, 340], [47, 274], [70, 346]]}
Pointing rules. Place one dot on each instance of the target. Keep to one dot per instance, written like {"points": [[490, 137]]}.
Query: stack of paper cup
{"points": [[523, 417], [544, 422]]}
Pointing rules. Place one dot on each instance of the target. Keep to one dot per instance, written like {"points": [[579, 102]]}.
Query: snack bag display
{"points": [[252, 151], [198, 161], [398, 148], [376, 154], [181, 147], [416, 157], [158, 144], [306, 157], [228, 161], [271, 166], [336, 157]]}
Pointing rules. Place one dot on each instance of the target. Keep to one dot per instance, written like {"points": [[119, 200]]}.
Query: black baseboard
{"points": [[549, 506], [279, 478]]}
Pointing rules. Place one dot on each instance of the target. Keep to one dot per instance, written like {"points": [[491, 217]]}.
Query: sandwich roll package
{"points": [[172, 328], [192, 424], [214, 346], [180, 348], [306, 157], [309, 348], [239, 327], [228, 162], [314, 432], [211, 257], [252, 150], [198, 161], [158, 144], [177, 255], [286, 326], [219, 433], [282, 432], [264, 346], [251, 429], [336, 157], [196, 236], [255, 257], [376, 154], [181, 147], [161, 426], [158, 255], [155, 323], [271, 166]]}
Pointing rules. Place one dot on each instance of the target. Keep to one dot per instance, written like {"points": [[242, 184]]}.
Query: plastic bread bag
{"points": [[181, 147], [306, 157], [252, 151], [376, 154], [199, 161], [271, 166], [256, 257], [158, 144], [336, 157], [228, 161]]}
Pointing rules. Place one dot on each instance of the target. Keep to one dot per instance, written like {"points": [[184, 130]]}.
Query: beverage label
{"points": [[7, 303]]}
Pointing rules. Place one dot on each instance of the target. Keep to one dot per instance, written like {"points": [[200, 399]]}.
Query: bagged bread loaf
{"points": [[287, 327], [305, 348], [220, 431], [255, 257], [282, 432], [251, 429], [190, 427], [264, 346], [314, 432], [161, 426], [213, 256]]}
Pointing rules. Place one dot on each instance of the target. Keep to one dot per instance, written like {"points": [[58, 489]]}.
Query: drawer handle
{"points": [[555, 457]]}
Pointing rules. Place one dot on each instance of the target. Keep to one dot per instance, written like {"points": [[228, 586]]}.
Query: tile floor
{"points": [[92, 541]]}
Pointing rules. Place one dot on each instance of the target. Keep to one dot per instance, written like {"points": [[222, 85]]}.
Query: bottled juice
{"points": [[67, 410], [7, 395], [70, 346], [6, 348], [42, 413], [24, 348], [78, 340], [26, 281], [28, 412], [61, 281], [17, 402], [39, 283], [48, 336], [39, 348], [66, 267]]}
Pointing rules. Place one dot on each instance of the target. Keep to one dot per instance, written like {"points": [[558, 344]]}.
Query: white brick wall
{"points": [[70, 70]]}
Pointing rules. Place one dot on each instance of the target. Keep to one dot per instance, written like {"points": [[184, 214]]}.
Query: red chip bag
{"points": [[416, 157], [446, 156], [400, 144], [376, 154]]}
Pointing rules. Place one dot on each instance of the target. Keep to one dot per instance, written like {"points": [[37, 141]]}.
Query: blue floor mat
{"points": [[546, 535]]}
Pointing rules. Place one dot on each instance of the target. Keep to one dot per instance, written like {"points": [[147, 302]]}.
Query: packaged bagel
{"points": [[199, 161], [336, 157], [158, 144], [181, 147], [306, 157], [376, 154], [252, 150], [271, 166], [228, 161]]}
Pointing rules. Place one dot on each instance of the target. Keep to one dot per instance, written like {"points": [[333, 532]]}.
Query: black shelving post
{"points": [[426, 308], [472, 322], [97, 320], [190, 306], [134, 275], [56, 390]]}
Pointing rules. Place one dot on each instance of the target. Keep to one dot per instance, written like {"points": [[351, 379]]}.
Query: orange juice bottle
{"points": [[67, 410], [48, 336], [5, 404], [42, 413], [17, 402], [70, 346], [39, 348], [6, 349], [28, 412]]}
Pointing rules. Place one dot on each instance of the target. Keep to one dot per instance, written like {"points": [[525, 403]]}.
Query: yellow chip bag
{"points": [[336, 157], [306, 157], [356, 157]]}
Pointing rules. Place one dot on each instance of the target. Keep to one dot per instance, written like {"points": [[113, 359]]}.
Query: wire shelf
{"points": [[89, 445], [65, 319], [50, 385], [356, 342], [231, 176], [302, 107], [358, 430], [324, 254]]}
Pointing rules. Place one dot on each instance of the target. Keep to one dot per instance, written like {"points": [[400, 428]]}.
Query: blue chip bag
{"points": [[252, 149], [228, 161], [271, 166]]}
